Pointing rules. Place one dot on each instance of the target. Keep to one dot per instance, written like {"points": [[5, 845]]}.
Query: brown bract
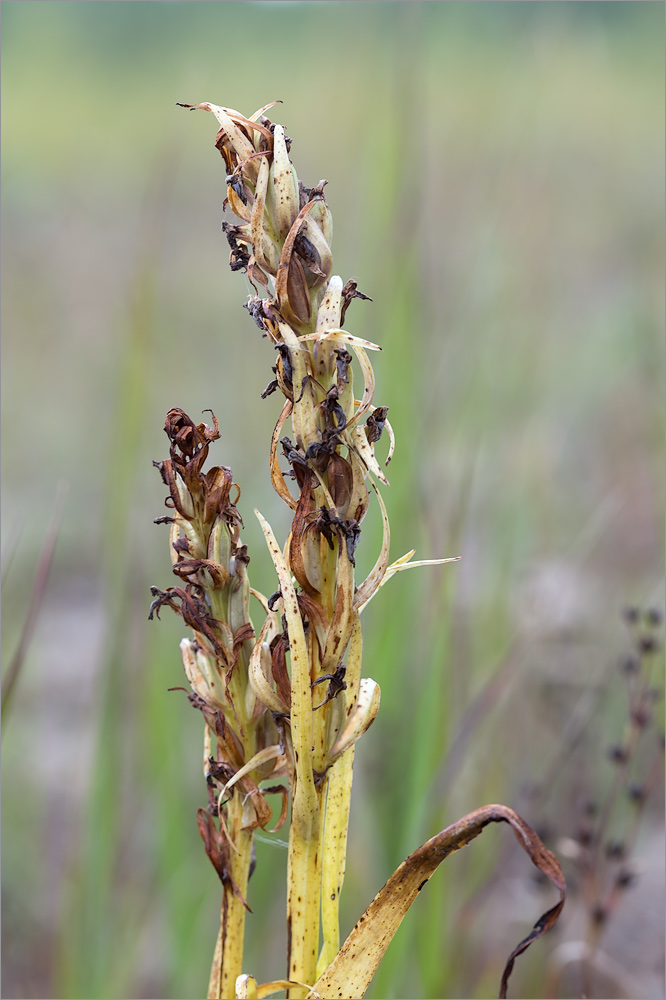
{"points": [[189, 444], [219, 852], [193, 610]]}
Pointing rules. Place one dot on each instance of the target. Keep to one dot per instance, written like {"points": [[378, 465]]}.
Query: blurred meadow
{"points": [[496, 182]]}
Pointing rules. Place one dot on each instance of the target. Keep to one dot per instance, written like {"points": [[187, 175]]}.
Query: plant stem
{"points": [[304, 897], [334, 850], [228, 956]]}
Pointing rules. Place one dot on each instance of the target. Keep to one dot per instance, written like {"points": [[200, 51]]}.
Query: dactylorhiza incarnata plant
{"points": [[284, 707]]}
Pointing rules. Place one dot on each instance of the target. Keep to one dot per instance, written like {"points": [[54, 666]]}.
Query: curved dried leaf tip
{"points": [[350, 972]]}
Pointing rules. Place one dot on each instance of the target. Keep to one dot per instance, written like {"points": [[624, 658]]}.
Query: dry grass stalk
{"points": [[265, 720], [601, 847]]}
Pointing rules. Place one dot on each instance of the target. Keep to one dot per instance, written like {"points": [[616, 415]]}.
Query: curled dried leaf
{"points": [[268, 753], [352, 969], [373, 581], [342, 335], [342, 624], [349, 292], [277, 478], [218, 851]]}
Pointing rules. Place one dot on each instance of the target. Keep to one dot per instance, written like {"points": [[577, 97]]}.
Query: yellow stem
{"points": [[228, 956], [334, 851], [304, 895]]}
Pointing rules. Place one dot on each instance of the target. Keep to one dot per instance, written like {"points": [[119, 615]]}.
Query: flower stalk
{"points": [[211, 563], [289, 702]]}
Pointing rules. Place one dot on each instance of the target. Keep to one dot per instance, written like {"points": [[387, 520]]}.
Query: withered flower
{"points": [[243, 746], [291, 700]]}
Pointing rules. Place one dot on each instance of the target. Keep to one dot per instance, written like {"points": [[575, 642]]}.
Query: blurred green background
{"points": [[496, 181]]}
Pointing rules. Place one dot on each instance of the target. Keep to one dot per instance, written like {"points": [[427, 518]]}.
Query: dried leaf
{"points": [[300, 528], [279, 668], [237, 138], [358, 443], [318, 253], [344, 336], [277, 478], [304, 420], [389, 431], [316, 616], [217, 849], [261, 598], [334, 847], [237, 206], [301, 695], [342, 625], [283, 791], [404, 562], [368, 386], [257, 675], [358, 503], [257, 115], [258, 215], [375, 577], [328, 314], [352, 969], [284, 200], [354, 661], [268, 753], [364, 714]]}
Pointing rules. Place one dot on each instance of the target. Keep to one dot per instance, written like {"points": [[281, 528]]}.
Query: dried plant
{"points": [[283, 708]]}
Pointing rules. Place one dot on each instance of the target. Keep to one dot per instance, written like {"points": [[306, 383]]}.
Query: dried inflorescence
{"points": [[211, 563], [290, 702], [283, 242]]}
